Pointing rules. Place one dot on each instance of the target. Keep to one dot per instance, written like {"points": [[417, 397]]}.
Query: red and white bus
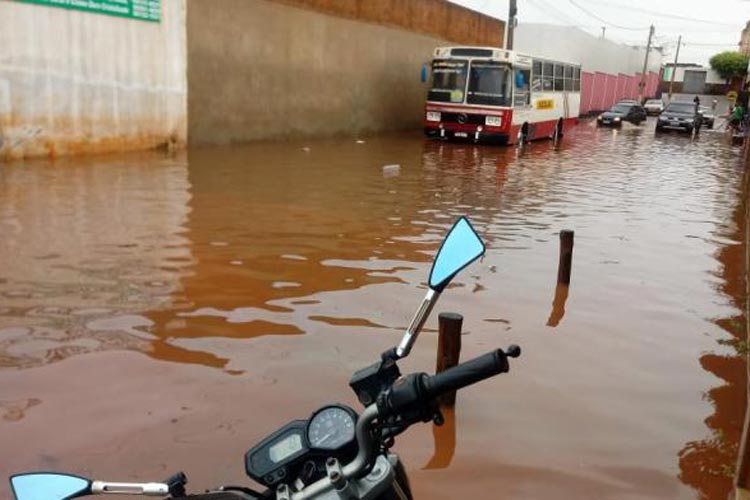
{"points": [[485, 93]]}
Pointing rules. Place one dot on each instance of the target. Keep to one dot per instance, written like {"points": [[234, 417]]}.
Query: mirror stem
{"points": [[417, 323], [146, 489]]}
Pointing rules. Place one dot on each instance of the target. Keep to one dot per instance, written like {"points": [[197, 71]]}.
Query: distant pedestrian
{"points": [[736, 117], [714, 103], [697, 101]]}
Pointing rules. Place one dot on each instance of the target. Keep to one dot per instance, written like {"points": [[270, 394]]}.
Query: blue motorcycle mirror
{"points": [[48, 486], [460, 248]]}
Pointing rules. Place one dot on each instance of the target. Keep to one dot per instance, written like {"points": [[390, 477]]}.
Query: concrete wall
{"points": [[77, 82], [438, 18], [266, 69]]}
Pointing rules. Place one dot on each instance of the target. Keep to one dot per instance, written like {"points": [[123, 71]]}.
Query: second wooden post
{"points": [[566, 257], [449, 349]]}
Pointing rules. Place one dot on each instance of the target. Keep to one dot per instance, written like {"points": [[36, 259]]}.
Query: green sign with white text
{"points": [[147, 10]]}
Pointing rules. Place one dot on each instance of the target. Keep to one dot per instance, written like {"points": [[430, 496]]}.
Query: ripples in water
{"points": [[173, 256]]}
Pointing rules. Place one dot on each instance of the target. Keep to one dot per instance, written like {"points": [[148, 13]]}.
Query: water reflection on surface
{"points": [[289, 265], [87, 247], [715, 456]]}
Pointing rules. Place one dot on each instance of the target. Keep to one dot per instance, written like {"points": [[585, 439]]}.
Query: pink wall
{"points": [[622, 84], [632, 91], [587, 90], [610, 94], [600, 84], [652, 84], [599, 91]]}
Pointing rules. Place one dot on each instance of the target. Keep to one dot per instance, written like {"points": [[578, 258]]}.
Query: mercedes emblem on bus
{"points": [[462, 118]]}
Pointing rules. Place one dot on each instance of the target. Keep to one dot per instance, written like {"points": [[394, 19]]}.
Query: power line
{"points": [[691, 44], [564, 19], [604, 20], [630, 8], [547, 7], [682, 29]]}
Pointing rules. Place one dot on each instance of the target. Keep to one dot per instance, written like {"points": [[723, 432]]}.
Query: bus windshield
{"points": [[489, 83], [448, 80]]}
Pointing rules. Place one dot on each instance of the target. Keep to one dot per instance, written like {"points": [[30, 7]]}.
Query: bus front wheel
{"points": [[557, 134], [523, 134]]}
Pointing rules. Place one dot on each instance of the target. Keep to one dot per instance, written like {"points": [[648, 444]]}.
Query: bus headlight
{"points": [[433, 116], [493, 121]]}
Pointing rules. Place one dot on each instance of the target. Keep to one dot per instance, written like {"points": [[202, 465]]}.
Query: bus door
{"points": [[521, 94]]}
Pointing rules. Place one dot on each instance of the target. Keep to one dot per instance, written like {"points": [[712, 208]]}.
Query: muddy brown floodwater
{"points": [[165, 313]]}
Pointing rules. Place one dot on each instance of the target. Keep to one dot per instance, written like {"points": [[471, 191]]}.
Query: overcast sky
{"points": [[707, 26]]}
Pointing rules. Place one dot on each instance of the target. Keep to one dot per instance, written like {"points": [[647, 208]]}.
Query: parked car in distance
{"points": [[707, 115], [654, 106], [622, 112], [679, 116]]}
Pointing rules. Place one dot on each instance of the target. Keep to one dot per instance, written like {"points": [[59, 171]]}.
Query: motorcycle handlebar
{"points": [[405, 401], [410, 396], [465, 374]]}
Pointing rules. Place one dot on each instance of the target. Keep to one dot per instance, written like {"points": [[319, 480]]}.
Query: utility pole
{"points": [[604, 31], [512, 11], [674, 68], [642, 85]]}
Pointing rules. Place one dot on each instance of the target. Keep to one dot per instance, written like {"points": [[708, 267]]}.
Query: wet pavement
{"points": [[164, 313]]}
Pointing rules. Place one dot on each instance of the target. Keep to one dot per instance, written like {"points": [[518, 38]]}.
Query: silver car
{"points": [[707, 115], [654, 106]]}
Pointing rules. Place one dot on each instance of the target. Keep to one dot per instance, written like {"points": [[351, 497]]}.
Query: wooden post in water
{"points": [[742, 470], [566, 257], [742, 475], [449, 349]]}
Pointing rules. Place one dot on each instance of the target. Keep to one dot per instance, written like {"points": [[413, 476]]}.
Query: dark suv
{"points": [[624, 111], [681, 116]]}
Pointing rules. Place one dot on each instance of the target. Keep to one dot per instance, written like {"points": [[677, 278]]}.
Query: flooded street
{"points": [[165, 313]]}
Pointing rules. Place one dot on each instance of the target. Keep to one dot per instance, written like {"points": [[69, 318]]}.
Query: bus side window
{"points": [[536, 77], [522, 97], [577, 79], [547, 77], [559, 78], [568, 78]]}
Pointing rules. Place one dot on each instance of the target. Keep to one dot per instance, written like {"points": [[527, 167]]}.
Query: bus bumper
{"points": [[475, 136]]}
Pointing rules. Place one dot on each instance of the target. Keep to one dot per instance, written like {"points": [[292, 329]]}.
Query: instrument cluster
{"points": [[299, 449]]}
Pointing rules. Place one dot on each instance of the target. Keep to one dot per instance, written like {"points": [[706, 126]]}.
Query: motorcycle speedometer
{"points": [[331, 427]]}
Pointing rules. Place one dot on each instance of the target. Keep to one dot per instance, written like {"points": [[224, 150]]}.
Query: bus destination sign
{"points": [[146, 10]]}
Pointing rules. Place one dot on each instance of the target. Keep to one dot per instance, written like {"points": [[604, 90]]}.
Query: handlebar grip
{"points": [[464, 374]]}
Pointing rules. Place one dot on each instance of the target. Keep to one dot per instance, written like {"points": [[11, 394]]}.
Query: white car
{"points": [[654, 106]]}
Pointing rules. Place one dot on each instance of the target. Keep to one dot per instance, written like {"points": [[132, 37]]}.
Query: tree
{"points": [[729, 64]]}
